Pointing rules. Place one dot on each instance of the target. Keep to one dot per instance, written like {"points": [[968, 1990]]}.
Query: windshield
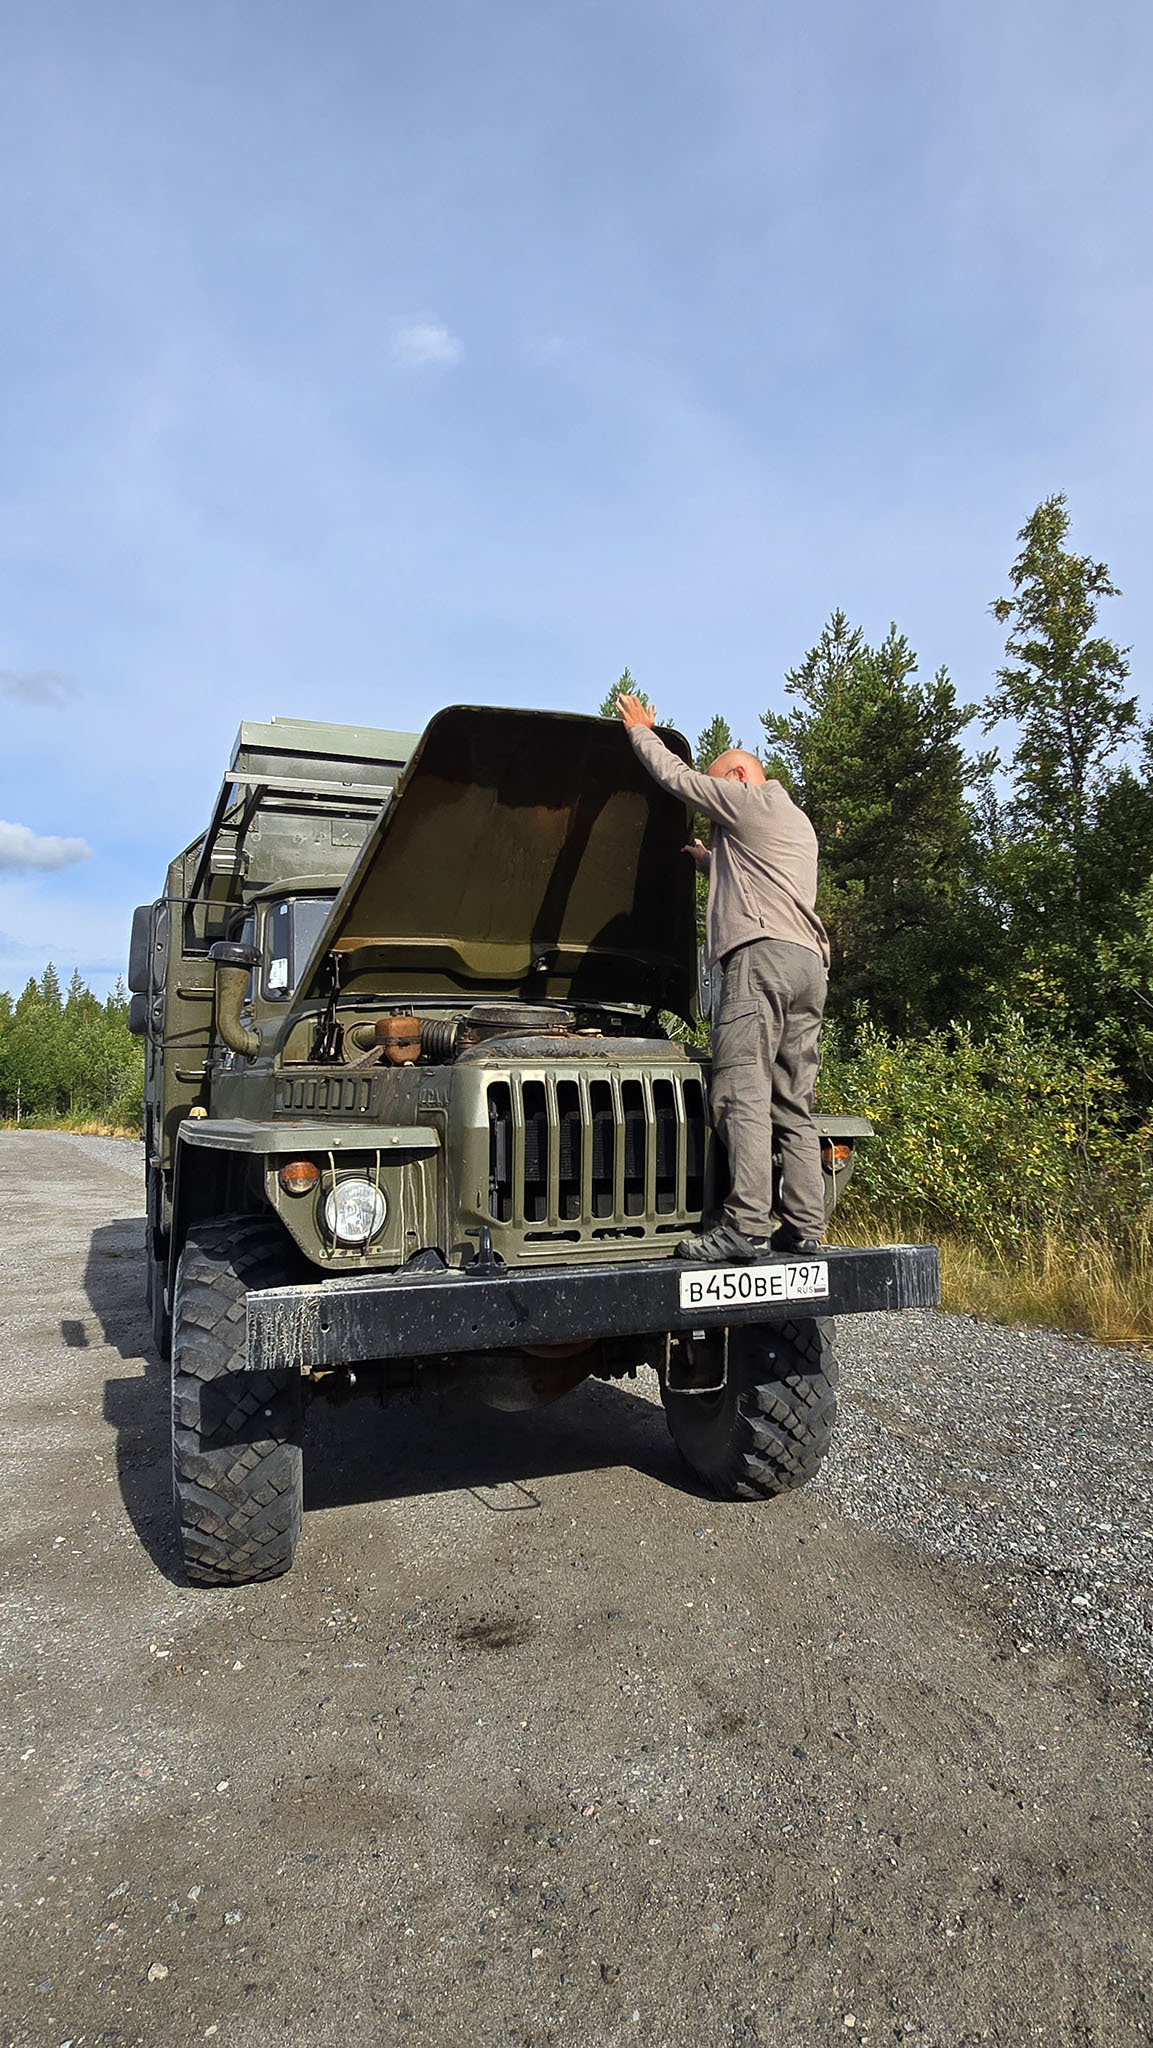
{"points": [[291, 930]]}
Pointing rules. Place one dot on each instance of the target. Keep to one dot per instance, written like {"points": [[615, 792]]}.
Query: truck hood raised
{"points": [[526, 854]]}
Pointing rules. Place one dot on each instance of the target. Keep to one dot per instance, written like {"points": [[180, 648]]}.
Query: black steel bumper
{"points": [[414, 1315]]}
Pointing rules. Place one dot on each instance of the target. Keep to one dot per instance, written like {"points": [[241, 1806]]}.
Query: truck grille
{"points": [[596, 1151], [330, 1095]]}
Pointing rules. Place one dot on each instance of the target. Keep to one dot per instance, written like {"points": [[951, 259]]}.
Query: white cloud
{"points": [[426, 342], [37, 686], [23, 851]]}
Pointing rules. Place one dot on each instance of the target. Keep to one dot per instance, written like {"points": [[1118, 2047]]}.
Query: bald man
{"points": [[763, 927]]}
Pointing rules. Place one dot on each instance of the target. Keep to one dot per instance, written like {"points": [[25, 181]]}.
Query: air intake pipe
{"points": [[402, 1039], [233, 964], [438, 1036]]}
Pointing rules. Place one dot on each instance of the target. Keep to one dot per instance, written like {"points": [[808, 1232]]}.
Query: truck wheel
{"points": [[237, 1467], [769, 1427]]}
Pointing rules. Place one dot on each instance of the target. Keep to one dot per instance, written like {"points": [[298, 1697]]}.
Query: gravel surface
{"points": [[123, 1155], [1015, 1450], [537, 1748]]}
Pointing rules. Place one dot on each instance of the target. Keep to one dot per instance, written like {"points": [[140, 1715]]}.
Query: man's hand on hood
{"points": [[633, 712]]}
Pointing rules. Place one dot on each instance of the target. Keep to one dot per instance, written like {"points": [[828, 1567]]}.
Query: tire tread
{"points": [[236, 1456], [770, 1430]]}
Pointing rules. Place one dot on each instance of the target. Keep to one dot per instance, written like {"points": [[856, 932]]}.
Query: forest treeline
{"points": [[987, 883], [68, 1057]]}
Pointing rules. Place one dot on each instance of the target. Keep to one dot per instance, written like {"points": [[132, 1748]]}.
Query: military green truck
{"points": [[414, 1119]]}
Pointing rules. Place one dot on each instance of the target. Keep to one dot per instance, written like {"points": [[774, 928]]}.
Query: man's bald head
{"points": [[737, 766]]}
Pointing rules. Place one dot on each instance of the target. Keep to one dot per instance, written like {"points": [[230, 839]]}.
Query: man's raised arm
{"points": [[724, 802]]}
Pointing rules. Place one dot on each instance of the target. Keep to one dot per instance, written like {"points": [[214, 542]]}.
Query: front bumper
{"points": [[413, 1315]]}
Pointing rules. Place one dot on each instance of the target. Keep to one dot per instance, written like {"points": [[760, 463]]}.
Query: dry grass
{"points": [[1098, 1288], [81, 1129]]}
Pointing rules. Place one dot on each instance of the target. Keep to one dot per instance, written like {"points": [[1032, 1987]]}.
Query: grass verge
{"points": [[1097, 1287], [82, 1128]]}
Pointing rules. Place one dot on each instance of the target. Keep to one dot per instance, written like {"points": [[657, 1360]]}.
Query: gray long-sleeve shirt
{"points": [[763, 871]]}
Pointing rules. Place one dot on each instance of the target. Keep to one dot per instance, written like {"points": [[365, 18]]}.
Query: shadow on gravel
{"points": [[441, 1445], [114, 1283], [137, 1406], [362, 1452]]}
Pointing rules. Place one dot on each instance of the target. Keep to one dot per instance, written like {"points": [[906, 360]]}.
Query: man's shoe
{"points": [[790, 1241], [724, 1246]]}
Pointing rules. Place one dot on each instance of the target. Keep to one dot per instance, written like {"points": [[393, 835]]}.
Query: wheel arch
{"points": [[207, 1184]]}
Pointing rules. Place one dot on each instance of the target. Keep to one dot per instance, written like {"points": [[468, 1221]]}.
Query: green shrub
{"points": [[991, 1138]]}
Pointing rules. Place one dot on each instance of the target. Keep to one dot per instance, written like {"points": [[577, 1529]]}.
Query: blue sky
{"points": [[365, 358]]}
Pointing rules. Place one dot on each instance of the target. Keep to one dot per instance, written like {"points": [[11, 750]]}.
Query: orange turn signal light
{"points": [[298, 1176], [837, 1153]]}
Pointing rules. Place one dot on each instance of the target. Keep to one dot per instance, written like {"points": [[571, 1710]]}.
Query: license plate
{"points": [[744, 1286]]}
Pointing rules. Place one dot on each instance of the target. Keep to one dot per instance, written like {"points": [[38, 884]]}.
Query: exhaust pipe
{"points": [[233, 965]]}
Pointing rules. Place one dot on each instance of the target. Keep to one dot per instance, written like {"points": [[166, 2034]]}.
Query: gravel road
{"points": [[536, 1746]]}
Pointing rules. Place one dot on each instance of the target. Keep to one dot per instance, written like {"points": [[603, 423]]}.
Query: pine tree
{"points": [[1075, 852], [715, 740], [8, 1074], [1063, 682], [81, 1048], [872, 755], [626, 685], [35, 1043]]}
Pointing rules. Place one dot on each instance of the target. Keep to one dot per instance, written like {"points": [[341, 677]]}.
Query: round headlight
{"points": [[354, 1211]]}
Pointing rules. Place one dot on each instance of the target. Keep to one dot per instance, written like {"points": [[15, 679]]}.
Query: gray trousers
{"points": [[765, 1037]]}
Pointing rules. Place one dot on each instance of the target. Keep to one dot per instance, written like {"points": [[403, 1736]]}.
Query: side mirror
{"points": [[140, 949], [233, 965], [138, 1015], [148, 948]]}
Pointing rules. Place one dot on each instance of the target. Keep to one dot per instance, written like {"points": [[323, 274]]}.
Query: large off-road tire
{"points": [[771, 1424], [237, 1466]]}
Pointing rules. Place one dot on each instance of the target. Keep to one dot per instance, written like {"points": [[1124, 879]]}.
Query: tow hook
{"points": [[487, 1263]]}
